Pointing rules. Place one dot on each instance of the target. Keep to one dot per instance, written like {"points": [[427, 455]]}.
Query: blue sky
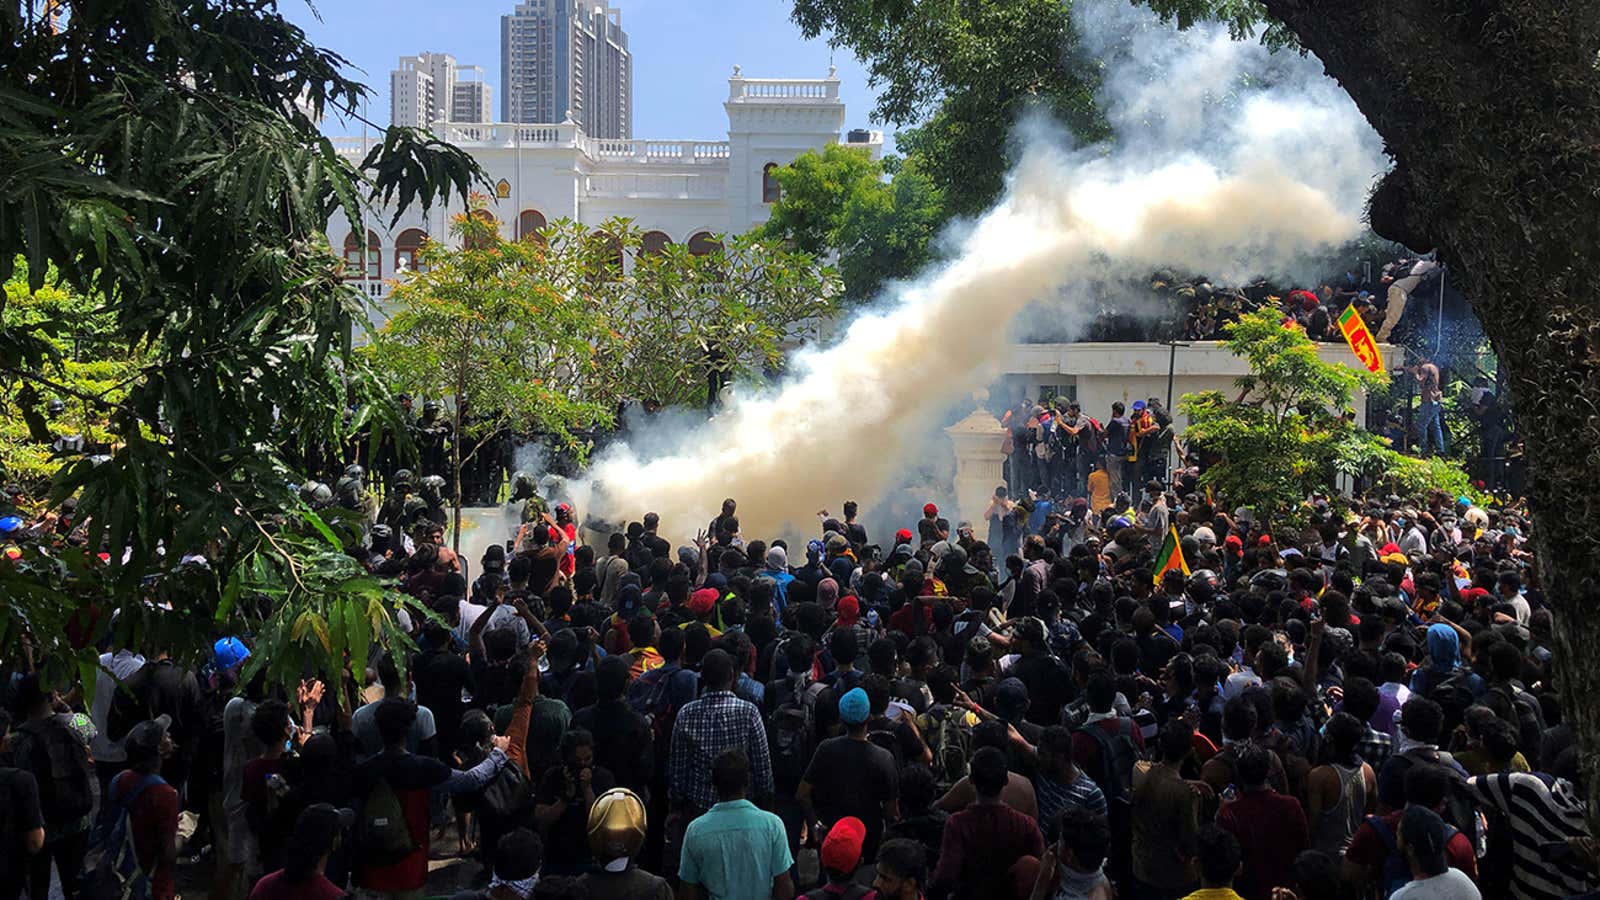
{"points": [[683, 50]]}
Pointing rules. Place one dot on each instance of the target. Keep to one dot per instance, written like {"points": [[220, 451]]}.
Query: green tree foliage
{"points": [[84, 366], [490, 326], [1290, 429], [679, 325], [838, 200], [164, 158], [964, 73]]}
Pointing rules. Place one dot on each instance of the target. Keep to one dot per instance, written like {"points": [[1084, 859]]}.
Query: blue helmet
{"points": [[228, 652]]}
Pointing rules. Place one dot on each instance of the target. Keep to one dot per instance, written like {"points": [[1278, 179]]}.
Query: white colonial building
{"points": [[677, 191]]}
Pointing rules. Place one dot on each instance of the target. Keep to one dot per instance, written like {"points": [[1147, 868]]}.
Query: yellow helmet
{"points": [[616, 825]]}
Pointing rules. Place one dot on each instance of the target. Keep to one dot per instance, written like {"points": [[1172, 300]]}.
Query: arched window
{"points": [[770, 189], [485, 216], [406, 248], [654, 243], [703, 244], [353, 257], [529, 223]]}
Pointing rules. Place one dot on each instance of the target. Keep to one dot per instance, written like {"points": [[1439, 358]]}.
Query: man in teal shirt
{"points": [[735, 851]]}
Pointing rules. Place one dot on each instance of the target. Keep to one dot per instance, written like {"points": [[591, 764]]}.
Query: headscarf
{"points": [[777, 559], [828, 594], [1444, 648]]}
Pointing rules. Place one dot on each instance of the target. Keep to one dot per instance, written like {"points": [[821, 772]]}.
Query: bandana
{"points": [[522, 887]]}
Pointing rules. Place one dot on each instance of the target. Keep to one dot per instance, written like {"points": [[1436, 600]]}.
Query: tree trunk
{"points": [[1491, 111], [455, 443]]}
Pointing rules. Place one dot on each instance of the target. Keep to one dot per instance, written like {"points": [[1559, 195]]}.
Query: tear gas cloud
{"points": [[1227, 160]]}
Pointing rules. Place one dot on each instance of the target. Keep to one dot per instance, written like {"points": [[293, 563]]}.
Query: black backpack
{"points": [[1396, 869], [886, 738], [508, 794], [60, 763], [790, 738], [1117, 757]]}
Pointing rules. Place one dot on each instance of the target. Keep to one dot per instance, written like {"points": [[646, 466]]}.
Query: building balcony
{"points": [[506, 135], [628, 185], [798, 91]]}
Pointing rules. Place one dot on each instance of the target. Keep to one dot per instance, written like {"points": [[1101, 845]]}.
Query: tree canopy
{"points": [[164, 159], [964, 74], [839, 200], [1291, 428]]}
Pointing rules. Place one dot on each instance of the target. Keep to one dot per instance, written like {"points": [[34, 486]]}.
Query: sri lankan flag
{"points": [[1361, 341], [1171, 556]]}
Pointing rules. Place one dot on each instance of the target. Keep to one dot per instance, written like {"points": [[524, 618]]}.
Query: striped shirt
{"points": [[1053, 797], [1542, 810]]}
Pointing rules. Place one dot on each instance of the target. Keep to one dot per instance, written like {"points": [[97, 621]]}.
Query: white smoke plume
{"points": [[1227, 160]]}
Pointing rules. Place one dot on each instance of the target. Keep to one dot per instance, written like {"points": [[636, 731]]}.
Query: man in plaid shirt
{"points": [[716, 722], [1361, 701]]}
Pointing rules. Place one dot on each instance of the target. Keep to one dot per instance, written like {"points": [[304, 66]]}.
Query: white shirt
{"points": [[1452, 885], [121, 665]]}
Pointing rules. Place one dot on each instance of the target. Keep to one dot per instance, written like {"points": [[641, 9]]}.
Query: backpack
{"points": [[951, 745], [1396, 870], [1117, 756], [60, 762], [508, 794], [649, 696], [111, 869], [1459, 811], [969, 620], [382, 834], [888, 740], [790, 735]]}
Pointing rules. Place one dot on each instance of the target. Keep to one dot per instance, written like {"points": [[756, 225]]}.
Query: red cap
{"points": [[1389, 548], [1234, 541], [1264, 540], [1474, 594], [903, 535], [703, 601], [930, 510], [841, 849]]}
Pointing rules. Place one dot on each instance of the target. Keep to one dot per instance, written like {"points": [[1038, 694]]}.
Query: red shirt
{"points": [[900, 619], [980, 844], [151, 817], [276, 887], [1271, 827]]}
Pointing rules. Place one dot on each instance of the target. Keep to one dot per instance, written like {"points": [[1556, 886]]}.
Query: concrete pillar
{"points": [[980, 464]]}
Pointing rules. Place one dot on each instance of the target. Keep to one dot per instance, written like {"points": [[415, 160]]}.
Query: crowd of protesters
{"points": [[1136, 692]]}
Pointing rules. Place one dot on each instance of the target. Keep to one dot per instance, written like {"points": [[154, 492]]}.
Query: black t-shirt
{"points": [[19, 814], [622, 740], [494, 684], [1049, 686], [567, 841], [440, 676], [853, 778]]}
